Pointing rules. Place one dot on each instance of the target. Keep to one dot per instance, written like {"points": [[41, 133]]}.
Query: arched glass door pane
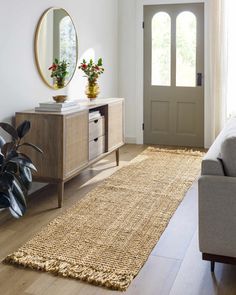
{"points": [[161, 49], [186, 42]]}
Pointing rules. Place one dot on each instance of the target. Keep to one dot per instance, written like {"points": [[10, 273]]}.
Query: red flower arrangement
{"points": [[59, 71], [92, 70]]}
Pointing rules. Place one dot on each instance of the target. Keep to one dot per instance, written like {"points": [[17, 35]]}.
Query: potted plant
{"points": [[59, 72], [92, 71], [15, 169]]}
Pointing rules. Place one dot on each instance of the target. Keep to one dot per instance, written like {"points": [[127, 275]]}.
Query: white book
{"points": [[59, 105], [91, 114], [65, 109], [94, 115], [94, 112]]}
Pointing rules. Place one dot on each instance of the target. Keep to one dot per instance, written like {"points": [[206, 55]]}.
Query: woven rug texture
{"points": [[106, 238]]}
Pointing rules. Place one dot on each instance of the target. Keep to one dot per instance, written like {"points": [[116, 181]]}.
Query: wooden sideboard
{"points": [[71, 141]]}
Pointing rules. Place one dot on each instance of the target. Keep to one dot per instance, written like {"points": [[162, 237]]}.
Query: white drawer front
{"points": [[96, 147], [96, 128]]}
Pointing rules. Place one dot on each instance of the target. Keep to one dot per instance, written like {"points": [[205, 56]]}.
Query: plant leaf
{"points": [[26, 176], [17, 201], [6, 181], [7, 148], [9, 129], [11, 167], [19, 193], [2, 142], [11, 154], [16, 210], [4, 201], [23, 162], [1, 159], [23, 156], [23, 129], [33, 146], [100, 62]]}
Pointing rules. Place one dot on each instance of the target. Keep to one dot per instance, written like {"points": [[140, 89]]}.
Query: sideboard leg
{"points": [[60, 187], [117, 157]]}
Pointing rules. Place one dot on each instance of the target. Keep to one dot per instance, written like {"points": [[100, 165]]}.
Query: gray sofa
{"points": [[217, 199]]}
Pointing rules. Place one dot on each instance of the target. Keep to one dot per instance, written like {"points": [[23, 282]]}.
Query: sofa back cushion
{"points": [[228, 155]]}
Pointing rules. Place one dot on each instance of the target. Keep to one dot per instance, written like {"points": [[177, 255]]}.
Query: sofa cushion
{"points": [[228, 155]]}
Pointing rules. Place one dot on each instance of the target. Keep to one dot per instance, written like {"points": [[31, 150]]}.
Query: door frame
{"points": [[140, 68]]}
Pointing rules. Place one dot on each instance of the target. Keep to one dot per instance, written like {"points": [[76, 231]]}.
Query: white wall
{"points": [[131, 54], [21, 86], [127, 65]]}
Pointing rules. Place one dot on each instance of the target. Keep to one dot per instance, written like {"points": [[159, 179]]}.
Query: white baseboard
{"points": [[131, 140]]}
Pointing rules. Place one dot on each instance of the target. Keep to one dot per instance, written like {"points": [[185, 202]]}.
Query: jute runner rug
{"points": [[106, 238]]}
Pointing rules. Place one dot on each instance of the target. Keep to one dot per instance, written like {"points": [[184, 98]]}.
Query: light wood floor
{"points": [[174, 266]]}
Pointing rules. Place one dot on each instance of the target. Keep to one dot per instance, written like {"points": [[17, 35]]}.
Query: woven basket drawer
{"points": [[96, 147], [96, 128]]}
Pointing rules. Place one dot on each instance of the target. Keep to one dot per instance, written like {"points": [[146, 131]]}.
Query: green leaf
{"points": [[100, 62]]}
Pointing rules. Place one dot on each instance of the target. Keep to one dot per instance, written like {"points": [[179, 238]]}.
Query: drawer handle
{"points": [[96, 121], [96, 139]]}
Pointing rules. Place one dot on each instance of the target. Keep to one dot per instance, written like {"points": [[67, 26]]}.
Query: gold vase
{"points": [[60, 83], [92, 90]]}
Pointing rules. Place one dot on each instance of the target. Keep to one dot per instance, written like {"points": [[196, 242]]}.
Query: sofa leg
{"points": [[212, 266]]}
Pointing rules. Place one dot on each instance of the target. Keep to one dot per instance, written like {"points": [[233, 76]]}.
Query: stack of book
{"points": [[52, 106], [94, 115]]}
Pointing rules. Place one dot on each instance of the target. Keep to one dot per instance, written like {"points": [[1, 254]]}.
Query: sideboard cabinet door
{"points": [[76, 142], [115, 125], [45, 132]]}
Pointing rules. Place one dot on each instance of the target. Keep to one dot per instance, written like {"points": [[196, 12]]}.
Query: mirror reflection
{"points": [[56, 48]]}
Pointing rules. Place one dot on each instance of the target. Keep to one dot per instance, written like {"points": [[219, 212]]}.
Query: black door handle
{"points": [[199, 79]]}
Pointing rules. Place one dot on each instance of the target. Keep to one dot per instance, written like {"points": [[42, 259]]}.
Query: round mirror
{"points": [[56, 48]]}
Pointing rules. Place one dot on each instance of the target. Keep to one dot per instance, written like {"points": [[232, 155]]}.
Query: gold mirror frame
{"points": [[36, 41]]}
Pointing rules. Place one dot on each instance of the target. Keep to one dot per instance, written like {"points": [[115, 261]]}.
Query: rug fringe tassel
{"points": [[111, 280], [188, 151]]}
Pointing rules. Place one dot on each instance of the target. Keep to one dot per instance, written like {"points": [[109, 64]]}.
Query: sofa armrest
{"points": [[217, 215]]}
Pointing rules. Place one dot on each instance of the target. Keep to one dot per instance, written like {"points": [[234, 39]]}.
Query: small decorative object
{"points": [[92, 90], [60, 98], [59, 72], [92, 72], [15, 169]]}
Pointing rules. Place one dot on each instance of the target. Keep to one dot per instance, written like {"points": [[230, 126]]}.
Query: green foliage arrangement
{"points": [[59, 70], [92, 70]]}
